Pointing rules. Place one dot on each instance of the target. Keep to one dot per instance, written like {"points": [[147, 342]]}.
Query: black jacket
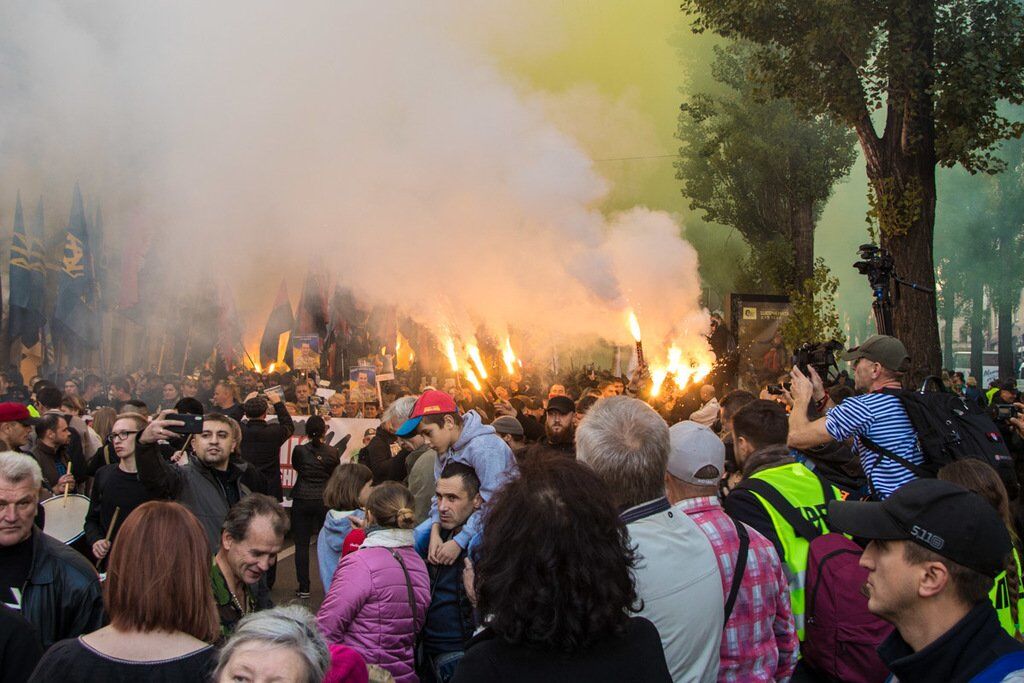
{"points": [[62, 597], [261, 446], [960, 654], [314, 466], [377, 456], [19, 646], [195, 486], [450, 624], [637, 655]]}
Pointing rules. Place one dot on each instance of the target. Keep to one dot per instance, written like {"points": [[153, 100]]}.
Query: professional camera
{"points": [[822, 357], [1003, 412], [877, 264]]}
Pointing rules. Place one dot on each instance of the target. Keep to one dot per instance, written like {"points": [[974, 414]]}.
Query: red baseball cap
{"points": [[16, 412], [432, 402]]}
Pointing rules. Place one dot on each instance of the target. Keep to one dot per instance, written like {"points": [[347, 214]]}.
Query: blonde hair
{"points": [[391, 505]]}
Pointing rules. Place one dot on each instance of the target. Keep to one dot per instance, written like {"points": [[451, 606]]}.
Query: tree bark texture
{"points": [[1007, 355], [948, 315], [802, 237], [977, 330]]}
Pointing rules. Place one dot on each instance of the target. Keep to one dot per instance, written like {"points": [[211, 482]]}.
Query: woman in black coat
{"points": [[555, 585], [313, 462]]}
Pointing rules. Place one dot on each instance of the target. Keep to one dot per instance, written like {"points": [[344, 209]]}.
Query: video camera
{"points": [[877, 264], [822, 357]]}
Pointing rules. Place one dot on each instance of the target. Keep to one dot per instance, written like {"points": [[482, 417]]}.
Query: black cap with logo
{"points": [[938, 515]]}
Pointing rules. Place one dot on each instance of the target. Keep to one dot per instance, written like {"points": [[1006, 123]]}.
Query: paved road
{"points": [[284, 587]]}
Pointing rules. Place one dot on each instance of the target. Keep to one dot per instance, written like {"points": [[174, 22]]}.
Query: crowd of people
{"points": [[579, 532]]}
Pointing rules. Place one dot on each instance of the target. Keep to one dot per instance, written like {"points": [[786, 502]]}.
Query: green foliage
{"points": [[768, 268], [755, 164], [814, 317], [893, 208], [951, 61]]}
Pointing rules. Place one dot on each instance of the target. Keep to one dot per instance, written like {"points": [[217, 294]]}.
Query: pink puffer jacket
{"points": [[367, 607]]}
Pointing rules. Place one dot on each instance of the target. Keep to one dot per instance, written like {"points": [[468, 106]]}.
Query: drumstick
{"points": [[113, 521], [110, 532], [67, 486]]}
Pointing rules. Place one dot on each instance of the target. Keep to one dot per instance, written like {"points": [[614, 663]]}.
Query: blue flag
{"points": [[75, 316], [27, 281]]}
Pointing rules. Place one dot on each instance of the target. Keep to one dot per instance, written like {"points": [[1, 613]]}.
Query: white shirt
{"points": [[706, 414]]}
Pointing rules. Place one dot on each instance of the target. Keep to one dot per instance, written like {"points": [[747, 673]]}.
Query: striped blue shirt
{"points": [[882, 419]]}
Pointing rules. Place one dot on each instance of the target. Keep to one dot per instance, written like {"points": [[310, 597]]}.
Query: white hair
{"points": [[17, 467], [292, 627], [399, 410], [627, 444]]}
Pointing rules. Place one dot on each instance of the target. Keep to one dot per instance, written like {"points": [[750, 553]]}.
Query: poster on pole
{"points": [[306, 352]]}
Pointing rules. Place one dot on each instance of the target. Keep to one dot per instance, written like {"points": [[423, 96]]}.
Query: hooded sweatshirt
{"points": [[329, 543], [480, 447]]}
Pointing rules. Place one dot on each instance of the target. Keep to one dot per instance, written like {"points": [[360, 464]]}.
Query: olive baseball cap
{"points": [[881, 348], [938, 515]]}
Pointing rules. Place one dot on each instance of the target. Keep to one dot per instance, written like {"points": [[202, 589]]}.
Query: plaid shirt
{"points": [[759, 642]]}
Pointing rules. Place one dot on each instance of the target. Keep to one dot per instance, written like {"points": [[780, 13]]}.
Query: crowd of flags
{"points": [[61, 282], [53, 286]]}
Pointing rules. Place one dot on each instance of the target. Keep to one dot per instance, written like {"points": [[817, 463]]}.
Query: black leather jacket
{"points": [[62, 597]]}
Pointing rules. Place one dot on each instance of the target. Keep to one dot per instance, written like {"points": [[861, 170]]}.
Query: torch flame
{"points": [[634, 326], [509, 357], [474, 355], [449, 349], [471, 376]]}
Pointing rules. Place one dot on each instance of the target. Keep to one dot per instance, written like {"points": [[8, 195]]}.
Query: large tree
{"points": [[754, 164], [930, 72]]}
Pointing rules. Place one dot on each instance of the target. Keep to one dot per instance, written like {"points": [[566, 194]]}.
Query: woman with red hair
{"points": [[160, 604]]}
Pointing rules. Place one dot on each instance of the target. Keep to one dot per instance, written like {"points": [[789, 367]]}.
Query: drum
{"points": [[65, 517]]}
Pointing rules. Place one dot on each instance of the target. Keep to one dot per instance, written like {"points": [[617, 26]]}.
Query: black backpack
{"points": [[950, 428]]}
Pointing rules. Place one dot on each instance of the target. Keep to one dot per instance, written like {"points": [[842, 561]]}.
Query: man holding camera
{"points": [[875, 420], [211, 481]]}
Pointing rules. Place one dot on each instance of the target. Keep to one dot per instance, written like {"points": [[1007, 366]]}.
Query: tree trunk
{"points": [[948, 315], [901, 169], [1007, 357], [802, 234], [977, 331]]}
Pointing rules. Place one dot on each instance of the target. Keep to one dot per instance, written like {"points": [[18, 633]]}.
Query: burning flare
{"points": [[474, 355], [634, 327], [509, 357], [658, 375], [471, 376], [449, 349]]}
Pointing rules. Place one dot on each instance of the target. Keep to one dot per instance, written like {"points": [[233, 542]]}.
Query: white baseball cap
{"points": [[694, 447]]}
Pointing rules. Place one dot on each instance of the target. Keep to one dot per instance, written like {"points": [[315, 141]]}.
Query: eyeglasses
{"points": [[122, 436]]}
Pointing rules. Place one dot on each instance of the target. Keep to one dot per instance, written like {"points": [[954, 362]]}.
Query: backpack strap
{"points": [[800, 525], [741, 568], [899, 460]]}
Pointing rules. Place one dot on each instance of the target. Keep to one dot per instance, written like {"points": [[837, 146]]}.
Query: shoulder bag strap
{"points": [[408, 584], [886, 453], [741, 568], [801, 526]]}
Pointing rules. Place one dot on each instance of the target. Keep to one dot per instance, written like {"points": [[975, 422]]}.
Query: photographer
{"points": [[875, 418]]}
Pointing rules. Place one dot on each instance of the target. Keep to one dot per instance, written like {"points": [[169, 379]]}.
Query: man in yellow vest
{"points": [[778, 496]]}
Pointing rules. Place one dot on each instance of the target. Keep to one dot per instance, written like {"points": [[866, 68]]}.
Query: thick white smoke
{"points": [[377, 137]]}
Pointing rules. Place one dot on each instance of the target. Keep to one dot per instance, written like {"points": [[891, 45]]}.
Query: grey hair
{"points": [[292, 627], [399, 410], [17, 467], [627, 444]]}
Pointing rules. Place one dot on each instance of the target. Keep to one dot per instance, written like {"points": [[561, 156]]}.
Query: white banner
{"points": [[337, 429]]}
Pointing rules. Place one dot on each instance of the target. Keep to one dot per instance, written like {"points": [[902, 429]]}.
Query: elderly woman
{"points": [[283, 644]]}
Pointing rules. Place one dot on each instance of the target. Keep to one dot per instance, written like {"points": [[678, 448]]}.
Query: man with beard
{"points": [[209, 482], [559, 425], [252, 535]]}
